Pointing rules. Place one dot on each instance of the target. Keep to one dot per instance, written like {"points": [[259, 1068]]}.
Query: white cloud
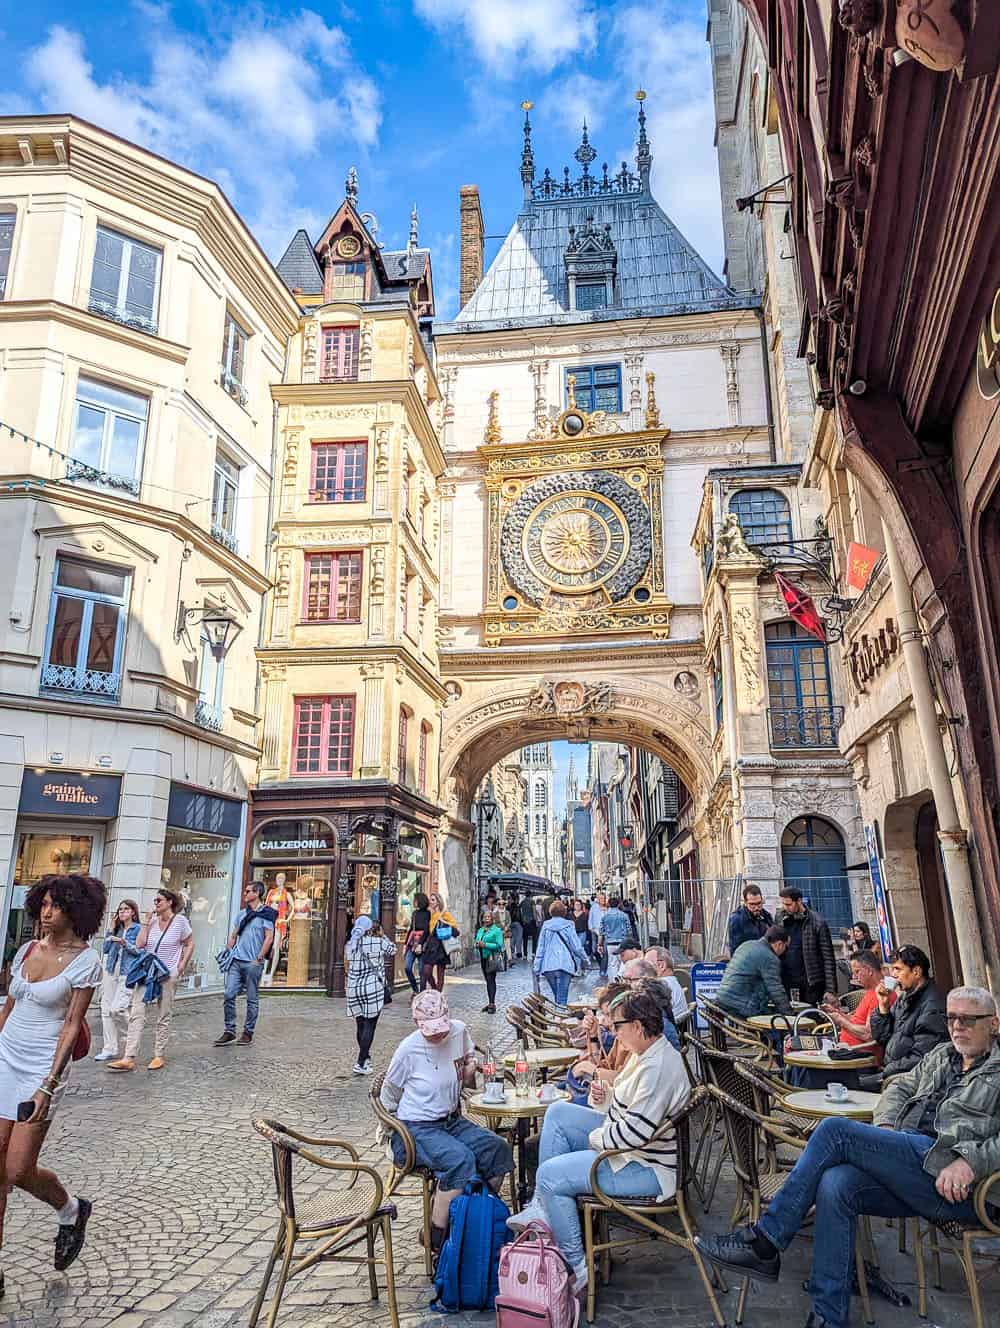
{"points": [[509, 35], [246, 111], [567, 103]]}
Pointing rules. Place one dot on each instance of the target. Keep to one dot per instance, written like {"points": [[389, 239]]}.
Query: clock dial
{"points": [[575, 541]]}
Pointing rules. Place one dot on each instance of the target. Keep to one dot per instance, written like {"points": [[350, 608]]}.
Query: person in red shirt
{"points": [[866, 972]]}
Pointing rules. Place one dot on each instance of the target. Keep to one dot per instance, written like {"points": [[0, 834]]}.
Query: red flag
{"points": [[860, 561], [801, 608]]}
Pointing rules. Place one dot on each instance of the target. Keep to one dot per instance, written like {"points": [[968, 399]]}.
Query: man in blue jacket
{"points": [[750, 922], [752, 980]]}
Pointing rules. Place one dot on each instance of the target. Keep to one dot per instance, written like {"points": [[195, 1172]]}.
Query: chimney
{"points": [[473, 242]]}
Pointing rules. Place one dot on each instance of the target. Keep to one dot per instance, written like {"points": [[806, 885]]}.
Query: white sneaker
{"points": [[106, 1056], [367, 1068], [533, 1212], [580, 1277], [357, 1069]]}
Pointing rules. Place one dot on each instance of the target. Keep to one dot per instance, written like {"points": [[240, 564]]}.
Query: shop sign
{"points": [[67, 793], [878, 892], [294, 839], [706, 979], [193, 809], [869, 655], [988, 353]]}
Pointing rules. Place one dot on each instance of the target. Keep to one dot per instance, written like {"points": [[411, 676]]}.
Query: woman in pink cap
{"points": [[423, 1088]]}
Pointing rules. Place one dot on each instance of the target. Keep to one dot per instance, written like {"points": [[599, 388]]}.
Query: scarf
{"points": [[361, 926]]}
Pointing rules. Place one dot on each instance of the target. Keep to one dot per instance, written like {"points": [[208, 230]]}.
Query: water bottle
{"points": [[489, 1067], [522, 1077]]}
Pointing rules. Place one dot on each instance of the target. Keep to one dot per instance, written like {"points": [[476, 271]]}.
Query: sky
{"points": [[276, 102]]}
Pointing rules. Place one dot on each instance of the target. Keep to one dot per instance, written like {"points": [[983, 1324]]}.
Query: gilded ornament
{"points": [[652, 410]]}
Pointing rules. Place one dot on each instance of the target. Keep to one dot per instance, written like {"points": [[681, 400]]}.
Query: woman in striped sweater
{"points": [[652, 1085]]}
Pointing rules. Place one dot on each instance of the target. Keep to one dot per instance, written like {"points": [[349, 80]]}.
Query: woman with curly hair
{"points": [[51, 985]]}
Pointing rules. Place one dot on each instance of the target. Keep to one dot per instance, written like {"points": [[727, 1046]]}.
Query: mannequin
{"points": [[282, 900]]}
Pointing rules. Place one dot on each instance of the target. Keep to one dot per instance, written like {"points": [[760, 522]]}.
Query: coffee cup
{"points": [[890, 983], [836, 1092], [547, 1093]]}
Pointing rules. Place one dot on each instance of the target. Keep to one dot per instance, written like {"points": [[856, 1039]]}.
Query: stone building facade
{"points": [[141, 329]]}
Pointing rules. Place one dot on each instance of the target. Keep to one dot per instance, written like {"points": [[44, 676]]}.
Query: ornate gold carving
{"points": [[493, 433], [652, 410], [514, 461]]}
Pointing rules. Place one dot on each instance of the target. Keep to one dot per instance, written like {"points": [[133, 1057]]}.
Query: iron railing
{"points": [[119, 313], [805, 726], [79, 470], [82, 682], [224, 537], [208, 716], [231, 384]]}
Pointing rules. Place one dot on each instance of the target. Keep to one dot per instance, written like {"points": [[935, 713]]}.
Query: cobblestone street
{"points": [[183, 1197]]}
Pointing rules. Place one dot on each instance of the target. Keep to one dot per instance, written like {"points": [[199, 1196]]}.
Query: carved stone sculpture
{"points": [[731, 542]]}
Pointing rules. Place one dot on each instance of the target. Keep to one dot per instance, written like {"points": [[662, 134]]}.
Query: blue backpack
{"points": [[466, 1277]]}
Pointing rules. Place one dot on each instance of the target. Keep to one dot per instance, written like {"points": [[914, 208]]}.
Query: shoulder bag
{"points": [[224, 957]]}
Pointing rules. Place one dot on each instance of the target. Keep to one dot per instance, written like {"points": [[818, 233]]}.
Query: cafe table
{"points": [[516, 1111], [764, 1021], [814, 1102], [544, 1058], [819, 1060]]}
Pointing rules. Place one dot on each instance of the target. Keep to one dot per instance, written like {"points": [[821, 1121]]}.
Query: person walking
{"points": [[516, 931], [367, 951], [529, 927], [436, 959], [416, 939], [489, 943], [119, 951], [616, 935], [249, 944], [749, 922], [41, 1025], [166, 935], [559, 956], [581, 923], [598, 908], [501, 917], [808, 965]]}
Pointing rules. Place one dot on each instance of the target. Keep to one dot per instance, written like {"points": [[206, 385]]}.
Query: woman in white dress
{"points": [[52, 982], [367, 951]]}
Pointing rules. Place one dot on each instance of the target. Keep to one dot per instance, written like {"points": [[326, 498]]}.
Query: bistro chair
{"points": [[850, 1001], [644, 1218], [333, 1220], [422, 1177], [961, 1240]]}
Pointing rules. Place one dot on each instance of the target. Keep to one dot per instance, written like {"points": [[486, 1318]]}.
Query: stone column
{"points": [[729, 350], [633, 372], [388, 889], [380, 503], [446, 492], [273, 676], [376, 592], [372, 703], [340, 905]]}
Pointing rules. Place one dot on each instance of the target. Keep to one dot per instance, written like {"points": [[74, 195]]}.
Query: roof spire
{"points": [[414, 220], [585, 154], [351, 186], [527, 156], [644, 158]]}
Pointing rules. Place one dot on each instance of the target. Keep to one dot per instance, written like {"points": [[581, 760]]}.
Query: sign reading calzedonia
{"points": [[69, 793]]}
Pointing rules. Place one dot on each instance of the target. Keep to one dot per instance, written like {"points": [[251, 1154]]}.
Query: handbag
{"points": [[491, 963], [81, 1047], [535, 1283], [451, 944], [225, 957]]}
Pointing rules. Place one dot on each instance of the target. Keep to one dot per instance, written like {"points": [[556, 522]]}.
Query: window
{"points": [[539, 795], [598, 387], [425, 734], [208, 707], [798, 682], [347, 281], [591, 295], [538, 825], [234, 359], [332, 587], [225, 486], [401, 738], [83, 648], [717, 686], [323, 738], [763, 514], [545, 823], [7, 220], [339, 361], [125, 283], [339, 472], [108, 436]]}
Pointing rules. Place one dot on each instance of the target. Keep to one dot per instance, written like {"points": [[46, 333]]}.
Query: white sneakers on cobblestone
{"points": [[580, 1277], [532, 1212], [105, 1056], [362, 1069]]}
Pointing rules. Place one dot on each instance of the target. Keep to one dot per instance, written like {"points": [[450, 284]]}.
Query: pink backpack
{"points": [[536, 1286]]}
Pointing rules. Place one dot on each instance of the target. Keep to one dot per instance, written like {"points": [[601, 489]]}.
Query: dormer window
{"points": [[347, 281], [591, 262], [591, 295]]}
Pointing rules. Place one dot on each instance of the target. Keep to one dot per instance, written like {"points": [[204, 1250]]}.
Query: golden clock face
{"points": [[348, 246], [574, 542]]}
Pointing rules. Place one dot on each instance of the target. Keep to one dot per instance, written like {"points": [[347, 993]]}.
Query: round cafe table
{"points": [[545, 1058], [517, 1111], [819, 1060], [764, 1021], [814, 1102]]}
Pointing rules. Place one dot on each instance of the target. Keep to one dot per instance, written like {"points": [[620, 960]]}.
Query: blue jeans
{"points": [[456, 1150], [847, 1169], [242, 975], [408, 963], [565, 1158], [559, 982]]}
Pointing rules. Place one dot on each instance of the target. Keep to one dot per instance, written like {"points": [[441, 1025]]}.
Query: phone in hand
{"points": [[25, 1110]]}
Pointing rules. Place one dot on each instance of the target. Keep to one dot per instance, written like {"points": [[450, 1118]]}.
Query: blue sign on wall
{"points": [[193, 809], [69, 793], [878, 892], [705, 981]]}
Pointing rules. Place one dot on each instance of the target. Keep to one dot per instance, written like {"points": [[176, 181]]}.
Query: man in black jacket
{"points": [[808, 963], [750, 922], [916, 1023]]}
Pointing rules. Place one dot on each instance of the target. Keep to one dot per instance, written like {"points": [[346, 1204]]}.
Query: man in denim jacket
{"points": [[936, 1136]]}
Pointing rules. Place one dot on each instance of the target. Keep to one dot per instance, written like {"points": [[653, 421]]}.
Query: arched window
{"points": [[813, 858], [764, 516], [798, 682], [539, 795]]}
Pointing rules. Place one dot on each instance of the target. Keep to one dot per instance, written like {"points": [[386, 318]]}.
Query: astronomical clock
{"points": [[575, 533]]}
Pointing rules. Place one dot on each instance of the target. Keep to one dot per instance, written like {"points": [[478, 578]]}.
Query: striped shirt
{"points": [[650, 1088]]}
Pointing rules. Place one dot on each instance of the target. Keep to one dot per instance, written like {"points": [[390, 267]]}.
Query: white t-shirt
{"points": [[678, 1001], [422, 1081], [174, 934]]}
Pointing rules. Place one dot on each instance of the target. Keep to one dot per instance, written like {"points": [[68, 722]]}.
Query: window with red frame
{"points": [[422, 765], [323, 739], [404, 728], [339, 473], [332, 591], [339, 354]]}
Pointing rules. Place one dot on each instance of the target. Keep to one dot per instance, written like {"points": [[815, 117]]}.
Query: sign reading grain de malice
{"points": [[69, 793]]}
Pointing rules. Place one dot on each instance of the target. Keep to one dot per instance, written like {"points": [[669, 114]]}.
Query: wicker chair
{"points": [[334, 1220], [409, 1170], [599, 1210], [850, 1001], [961, 1240]]}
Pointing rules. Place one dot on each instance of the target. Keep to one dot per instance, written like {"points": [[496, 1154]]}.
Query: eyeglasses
{"points": [[619, 1023], [965, 1020]]}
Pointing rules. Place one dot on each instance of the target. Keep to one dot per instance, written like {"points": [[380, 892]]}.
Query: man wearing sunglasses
{"points": [[936, 1135]]}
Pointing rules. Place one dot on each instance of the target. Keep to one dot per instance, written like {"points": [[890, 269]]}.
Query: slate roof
{"points": [[658, 271], [298, 267]]}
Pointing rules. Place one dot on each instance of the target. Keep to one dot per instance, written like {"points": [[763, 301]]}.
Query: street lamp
{"points": [[486, 807], [219, 625]]}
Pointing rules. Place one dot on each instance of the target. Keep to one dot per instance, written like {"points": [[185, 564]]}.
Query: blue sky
{"points": [[276, 102]]}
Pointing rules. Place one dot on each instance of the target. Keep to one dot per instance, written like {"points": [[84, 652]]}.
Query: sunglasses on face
{"points": [[965, 1020], [620, 1023]]}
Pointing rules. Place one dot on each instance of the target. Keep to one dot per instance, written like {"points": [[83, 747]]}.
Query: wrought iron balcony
{"points": [[118, 313], [88, 683], [79, 470], [224, 537], [805, 726], [208, 716]]}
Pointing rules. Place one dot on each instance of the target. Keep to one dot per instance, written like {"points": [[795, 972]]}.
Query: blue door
{"points": [[813, 858]]}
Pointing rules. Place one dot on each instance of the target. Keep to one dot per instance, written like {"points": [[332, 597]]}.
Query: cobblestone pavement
{"points": [[183, 1196]]}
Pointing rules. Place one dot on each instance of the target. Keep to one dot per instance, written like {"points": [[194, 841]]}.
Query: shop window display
{"points": [[297, 887], [200, 867]]}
